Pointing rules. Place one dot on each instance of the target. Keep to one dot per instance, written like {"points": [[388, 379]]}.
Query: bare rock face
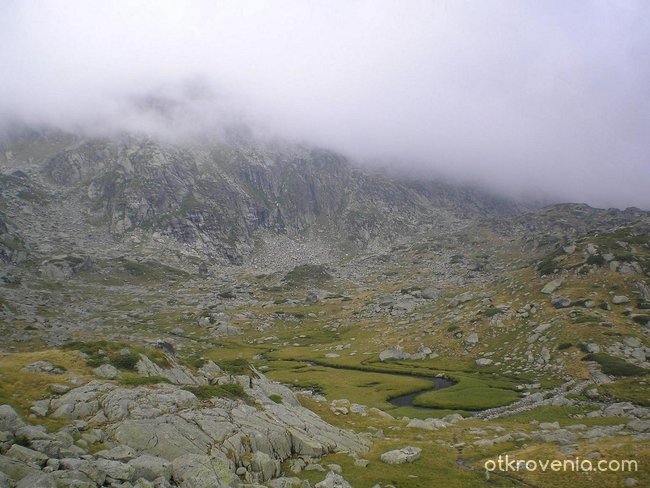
{"points": [[202, 471], [176, 374], [165, 434]]}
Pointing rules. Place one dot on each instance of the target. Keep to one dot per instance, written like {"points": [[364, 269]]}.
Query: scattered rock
{"points": [[43, 367], [394, 352], [333, 480], [430, 293], [560, 302], [552, 286], [107, 371], [472, 339], [406, 454], [483, 362]]}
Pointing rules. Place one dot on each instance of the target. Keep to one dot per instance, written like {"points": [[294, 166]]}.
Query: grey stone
{"points": [[107, 371], [84, 469], [620, 299], [560, 302], [632, 341], [29, 433], [472, 339], [483, 362], [9, 419], [394, 352], [58, 388], [81, 402], [643, 290], [37, 480], [552, 286], [210, 370], [201, 471], [177, 374], [638, 425], [430, 293], [43, 367], [362, 463], [40, 408], [266, 466], [226, 330], [285, 482], [333, 480], [118, 453], [116, 469], [406, 454], [570, 249], [15, 469], [26, 455]]}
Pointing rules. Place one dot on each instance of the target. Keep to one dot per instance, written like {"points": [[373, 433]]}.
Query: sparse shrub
{"points": [[564, 345], [126, 361], [307, 274], [584, 319], [492, 311], [615, 366], [452, 328], [596, 259], [143, 380], [234, 366], [641, 319], [546, 267], [205, 392], [276, 398], [627, 258]]}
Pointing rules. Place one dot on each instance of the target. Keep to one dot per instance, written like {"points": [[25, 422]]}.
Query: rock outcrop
{"points": [[166, 434]]}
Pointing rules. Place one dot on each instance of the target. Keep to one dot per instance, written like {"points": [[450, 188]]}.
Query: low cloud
{"points": [[538, 99]]}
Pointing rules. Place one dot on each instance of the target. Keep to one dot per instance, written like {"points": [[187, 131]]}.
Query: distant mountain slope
{"points": [[218, 197]]}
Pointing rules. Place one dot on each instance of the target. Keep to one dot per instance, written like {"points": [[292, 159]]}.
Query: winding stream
{"points": [[437, 383], [407, 400]]}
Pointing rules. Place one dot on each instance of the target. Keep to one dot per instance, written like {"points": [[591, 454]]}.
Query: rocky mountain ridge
{"points": [[249, 314], [217, 199]]}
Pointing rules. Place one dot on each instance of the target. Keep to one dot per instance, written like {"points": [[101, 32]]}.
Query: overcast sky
{"points": [[540, 98]]}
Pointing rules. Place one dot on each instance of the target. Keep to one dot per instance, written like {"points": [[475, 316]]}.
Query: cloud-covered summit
{"points": [[546, 99]]}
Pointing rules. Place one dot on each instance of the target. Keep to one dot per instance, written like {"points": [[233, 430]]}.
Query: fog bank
{"points": [[543, 99]]}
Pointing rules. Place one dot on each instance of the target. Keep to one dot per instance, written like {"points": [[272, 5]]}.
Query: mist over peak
{"points": [[548, 101]]}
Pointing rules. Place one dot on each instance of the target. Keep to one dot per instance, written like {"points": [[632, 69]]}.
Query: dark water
{"points": [[407, 400]]}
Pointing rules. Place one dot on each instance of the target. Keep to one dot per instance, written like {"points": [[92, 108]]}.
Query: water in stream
{"points": [[407, 400]]}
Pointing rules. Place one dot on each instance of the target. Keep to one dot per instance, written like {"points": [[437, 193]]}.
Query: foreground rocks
{"points": [[164, 435]]}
